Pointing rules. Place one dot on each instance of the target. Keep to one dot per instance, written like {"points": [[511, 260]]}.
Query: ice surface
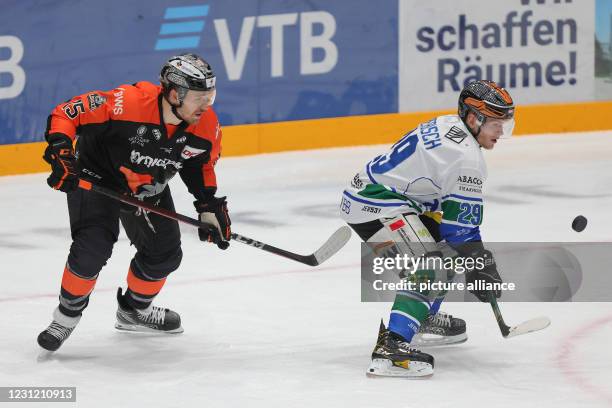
{"points": [[261, 330]]}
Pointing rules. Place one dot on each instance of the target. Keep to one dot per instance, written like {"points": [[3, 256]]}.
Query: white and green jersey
{"points": [[438, 166]]}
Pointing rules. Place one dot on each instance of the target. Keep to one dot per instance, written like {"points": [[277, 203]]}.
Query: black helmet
{"points": [[485, 99], [187, 71]]}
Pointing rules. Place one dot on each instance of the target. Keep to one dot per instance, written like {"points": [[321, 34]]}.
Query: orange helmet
{"points": [[485, 99]]}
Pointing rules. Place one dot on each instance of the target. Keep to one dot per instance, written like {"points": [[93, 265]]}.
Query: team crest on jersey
{"points": [[156, 134], [456, 134], [95, 101], [142, 129]]}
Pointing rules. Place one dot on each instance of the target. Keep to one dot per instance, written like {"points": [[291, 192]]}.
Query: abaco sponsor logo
{"points": [[470, 180], [148, 161], [470, 184]]}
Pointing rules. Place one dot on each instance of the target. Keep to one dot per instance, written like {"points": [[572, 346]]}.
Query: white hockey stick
{"points": [[337, 240], [539, 323]]}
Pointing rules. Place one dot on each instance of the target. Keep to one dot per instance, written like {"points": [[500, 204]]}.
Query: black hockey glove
{"points": [[214, 212], [488, 274], [60, 155]]}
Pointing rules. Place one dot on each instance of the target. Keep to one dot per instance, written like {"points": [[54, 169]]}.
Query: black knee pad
{"points": [[90, 250], [157, 267]]}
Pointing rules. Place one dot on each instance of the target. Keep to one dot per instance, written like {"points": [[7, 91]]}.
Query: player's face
{"points": [[195, 104], [490, 132]]}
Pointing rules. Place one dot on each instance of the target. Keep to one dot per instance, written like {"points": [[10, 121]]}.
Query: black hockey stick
{"points": [[337, 240], [528, 326]]}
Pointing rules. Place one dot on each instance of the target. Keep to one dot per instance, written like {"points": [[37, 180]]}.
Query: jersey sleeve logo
{"points": [[190, 151], [456, 134], [95, 101]]}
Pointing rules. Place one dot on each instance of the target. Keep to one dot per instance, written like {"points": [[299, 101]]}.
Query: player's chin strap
{"points": [[480, 124], [477, 132], [174, 107], [479, 121], [175, 111]]}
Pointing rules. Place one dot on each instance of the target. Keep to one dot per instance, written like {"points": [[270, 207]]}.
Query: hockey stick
{"points": [[337, 240], [539, 323]]}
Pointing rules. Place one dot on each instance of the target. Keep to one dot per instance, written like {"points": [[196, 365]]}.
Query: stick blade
{"points": [[332, 245], [539, 323]]}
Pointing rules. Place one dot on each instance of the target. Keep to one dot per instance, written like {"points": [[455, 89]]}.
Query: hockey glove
{"points": [[214, 212], [488, 274], [60, 155]]}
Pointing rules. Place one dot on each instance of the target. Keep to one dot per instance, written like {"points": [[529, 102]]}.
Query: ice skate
{"points": [[394, 357], [439, 330], [153, 319], [58, 331]]}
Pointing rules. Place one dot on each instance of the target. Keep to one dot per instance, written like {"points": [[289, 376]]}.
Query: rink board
{"points": [[241, 140]]}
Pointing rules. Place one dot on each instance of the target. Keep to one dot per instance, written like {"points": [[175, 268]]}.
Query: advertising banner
{"points": [[603, 50], [275, 60], [542, 51]]}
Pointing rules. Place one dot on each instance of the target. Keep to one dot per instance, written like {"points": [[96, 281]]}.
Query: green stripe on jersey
{"points": [[464, 212], [380, 192], [450, 210]]}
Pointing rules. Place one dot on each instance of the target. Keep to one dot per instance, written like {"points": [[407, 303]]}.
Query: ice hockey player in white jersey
{"points": [[428, 188]]}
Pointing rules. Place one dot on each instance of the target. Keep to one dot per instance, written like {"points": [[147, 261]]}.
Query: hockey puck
{"points": [[579, 223]]}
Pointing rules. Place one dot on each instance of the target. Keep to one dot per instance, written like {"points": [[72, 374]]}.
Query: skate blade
{"points": [[144, 329], [422, 340], [384, 368]]}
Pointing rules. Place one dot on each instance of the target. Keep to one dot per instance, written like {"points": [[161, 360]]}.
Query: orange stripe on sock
{"points": [[143, 287], [76, 285]]}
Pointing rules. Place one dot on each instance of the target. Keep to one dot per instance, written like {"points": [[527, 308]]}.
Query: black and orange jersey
{"points": [[123, 143]]}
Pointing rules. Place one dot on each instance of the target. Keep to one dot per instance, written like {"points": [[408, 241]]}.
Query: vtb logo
{"points": [[190, 22], [312, 31]]}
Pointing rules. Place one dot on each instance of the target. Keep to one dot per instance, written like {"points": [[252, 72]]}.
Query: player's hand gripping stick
{"points": [[334, 243]]}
